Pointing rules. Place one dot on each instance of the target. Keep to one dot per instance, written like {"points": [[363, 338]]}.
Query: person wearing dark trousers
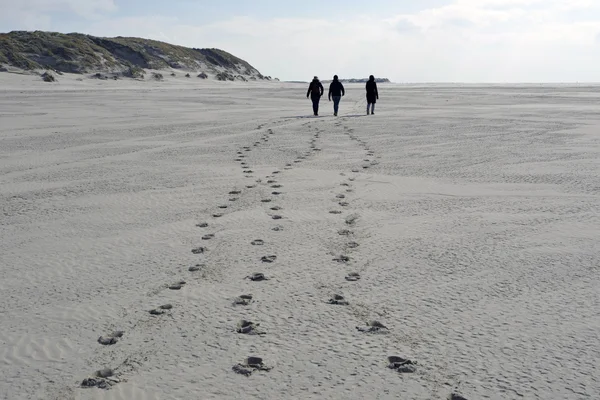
{"points": [[315, 91], [336, 91], [372, 94]]}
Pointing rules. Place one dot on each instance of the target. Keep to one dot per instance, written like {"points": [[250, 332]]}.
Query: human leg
{"points": [[336, 104]]}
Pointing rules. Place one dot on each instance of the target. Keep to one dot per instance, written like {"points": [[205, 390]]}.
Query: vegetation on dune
{"points": [[79, 53]]}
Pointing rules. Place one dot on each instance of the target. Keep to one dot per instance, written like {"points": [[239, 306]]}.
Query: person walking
{"points": [[372, 94], [315, 91], [336, 91]]}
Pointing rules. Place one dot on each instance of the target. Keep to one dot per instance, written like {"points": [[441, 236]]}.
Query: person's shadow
{"points": [[323, 116]]}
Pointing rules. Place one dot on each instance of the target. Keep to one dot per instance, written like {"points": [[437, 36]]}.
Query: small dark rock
{"points": [[48, 77]]}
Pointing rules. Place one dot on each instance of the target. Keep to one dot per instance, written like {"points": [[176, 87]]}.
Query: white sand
{"points": [[478, 228]]}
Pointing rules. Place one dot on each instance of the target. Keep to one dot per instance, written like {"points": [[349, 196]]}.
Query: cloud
{"points": [[36, 14]]}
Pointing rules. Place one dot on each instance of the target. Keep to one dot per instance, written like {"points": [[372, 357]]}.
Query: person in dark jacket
{"points": [[372, 94], [336, 91], [315, 91]]}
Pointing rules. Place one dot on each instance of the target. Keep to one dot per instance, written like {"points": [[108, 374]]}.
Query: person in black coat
{"points": [[372, 94], [336, 91], [315, 91]]}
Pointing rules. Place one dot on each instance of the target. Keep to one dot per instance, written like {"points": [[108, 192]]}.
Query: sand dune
{"points": [[463, 218]]}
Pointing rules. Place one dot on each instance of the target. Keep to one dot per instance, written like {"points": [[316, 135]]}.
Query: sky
{"points": [[403, 40]]}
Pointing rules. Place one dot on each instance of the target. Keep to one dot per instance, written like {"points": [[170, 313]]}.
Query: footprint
{"points": [[401, 364], [208, 237], [342, 259], [250, 186], [196, 267], [218, 215], [344, 184], [233, 199], [258, 242], [345, 232], [276, 208], [248, 171], [102, 379], [110, 339], [352, 245], [338, 300], [365, 167], [202, 225], [351, 179], [271, 181], [373, 327], [252, 364], [161, 310], [233, 192], [257, 277], [277, 228], [177, 286], [276, 186], [341, 196], [455, 396], [297, 161], [353, 277], [268, 259], [351, 219], [266, 200], [344, 204], [335, 212], [276, 193], [277, 217], [243, 300], [223, 206], [248, 328], [199, 250], [355, 170], [349, 190], [276, 172]]}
